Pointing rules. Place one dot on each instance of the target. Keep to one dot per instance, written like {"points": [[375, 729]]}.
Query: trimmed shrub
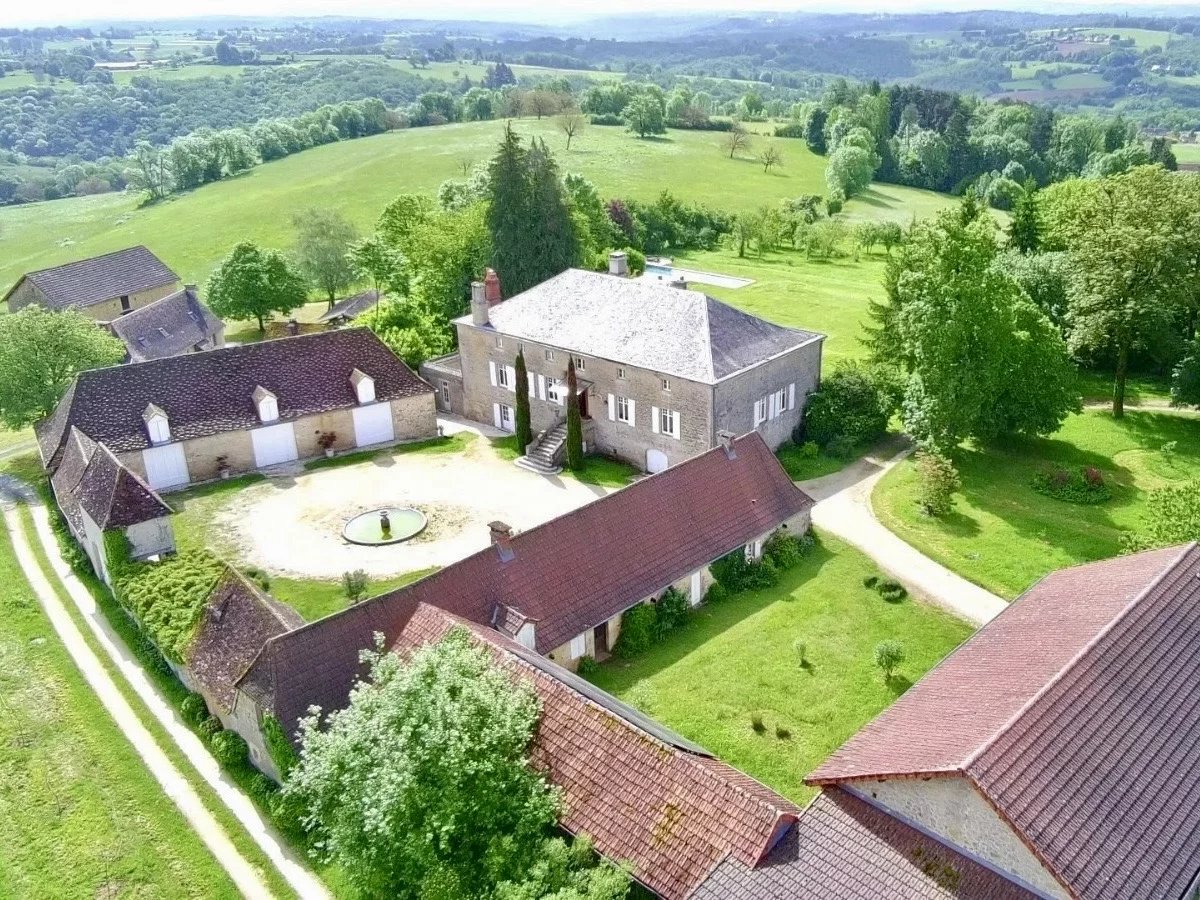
{"points": [[194, 709], [261, 789], [848, 410], [229, 748], [937, 481], [1085, 485], [716, 593], [785, 550], [355, 584], [637, 631], [756, 722], [670, 612], [892, 591], [587, 667], [870, 581], [889, 656], [209, 727], [736, 574]]}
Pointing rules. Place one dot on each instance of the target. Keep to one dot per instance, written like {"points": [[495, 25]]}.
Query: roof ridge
{"points": [[1083, 651], [85, 259], [708, 335]]}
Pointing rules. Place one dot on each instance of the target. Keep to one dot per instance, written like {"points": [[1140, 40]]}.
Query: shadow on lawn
{"points": [[708, 622]]}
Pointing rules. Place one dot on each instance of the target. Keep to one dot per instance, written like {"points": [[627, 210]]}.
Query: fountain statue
{"points": [[385, 524], [388, 525]]}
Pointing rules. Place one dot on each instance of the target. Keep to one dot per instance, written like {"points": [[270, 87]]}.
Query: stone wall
{"points": [[735, 396], [953, 809], [415, 418], [151, 538], [105, 311]]}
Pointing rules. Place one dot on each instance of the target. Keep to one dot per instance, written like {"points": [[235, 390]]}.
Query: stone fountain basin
{"points": [[365, 528]]}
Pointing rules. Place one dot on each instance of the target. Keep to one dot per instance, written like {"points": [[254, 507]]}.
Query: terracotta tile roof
{"points": [[86, 282], [167, 327], [211, 392], [237, 620], [1076, 714], [621, 549], [350, 307], [91, 479], [842, 848], [671, 812], [654, 326]]}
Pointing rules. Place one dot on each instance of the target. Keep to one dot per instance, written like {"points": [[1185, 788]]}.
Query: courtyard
{"points": [[289, 524]]}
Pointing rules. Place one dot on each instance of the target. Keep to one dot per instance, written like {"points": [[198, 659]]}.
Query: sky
{"points": [[52, 12]]}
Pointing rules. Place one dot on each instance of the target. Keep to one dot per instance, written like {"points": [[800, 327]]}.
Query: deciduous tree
{"points": [[323, 241], [384, 267], [736, 141], [40, 353], [645, 115], [251, 283], [570, 124], [770, 157]]}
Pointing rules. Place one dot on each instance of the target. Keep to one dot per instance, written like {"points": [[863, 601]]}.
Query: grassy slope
{"points": [[1004, 536], [80, 815], [736, 659], [192, 232]]}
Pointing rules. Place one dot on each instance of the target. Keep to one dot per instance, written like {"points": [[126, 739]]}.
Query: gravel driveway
{"points": [[292, 526]]}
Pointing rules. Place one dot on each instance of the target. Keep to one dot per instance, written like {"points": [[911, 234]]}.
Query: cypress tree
{"points": [[521, 388], [574, 422], [1025, 229]]}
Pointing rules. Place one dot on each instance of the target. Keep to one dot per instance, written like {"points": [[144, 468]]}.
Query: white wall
{"points": [[150, 538], [953, 809]]}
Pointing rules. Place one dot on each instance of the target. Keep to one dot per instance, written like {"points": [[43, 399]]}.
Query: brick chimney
{"points": [[491, 287], [618, 264], [479, 304], [501, 534], [726, 440]]}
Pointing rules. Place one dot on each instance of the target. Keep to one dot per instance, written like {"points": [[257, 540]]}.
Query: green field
{"points": [[194, 231], [1030, 69], [1143, 38], [736, 658], [1187, 153], [1004, 535], [80, 815]]}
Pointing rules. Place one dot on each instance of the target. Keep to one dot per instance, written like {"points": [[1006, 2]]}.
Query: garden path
{"points": [[175, 784], [844, 508]]}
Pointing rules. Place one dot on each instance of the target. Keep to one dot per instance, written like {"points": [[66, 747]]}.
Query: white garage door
{"points": [[373, 424], [656, 461], [165, 466], [273, 445]]}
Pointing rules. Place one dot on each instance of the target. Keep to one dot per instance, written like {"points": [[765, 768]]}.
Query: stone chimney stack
{"points": [[479, 304], [726, 440], [491, 287], [618, 264], [679, 282], [501, 534]]}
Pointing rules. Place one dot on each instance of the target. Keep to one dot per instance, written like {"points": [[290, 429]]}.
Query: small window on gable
{"points": [[499, 342], [549, 354], [364, 386], [266, 404], [620, 371], [580, 363], [666, 384]]}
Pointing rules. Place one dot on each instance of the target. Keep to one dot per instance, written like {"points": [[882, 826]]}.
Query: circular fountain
{"points": [[388, 525]]}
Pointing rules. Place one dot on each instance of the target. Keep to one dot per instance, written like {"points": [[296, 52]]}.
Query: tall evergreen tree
{"points": [[521, 389], [556, 245], [814, 131], [1025, 229], [574, 421]]}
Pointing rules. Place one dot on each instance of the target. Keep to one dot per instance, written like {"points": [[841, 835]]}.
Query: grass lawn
{"points": [[736, 659], [80, 815], [1004, 535], [597, 470], [192, 232], [1143, 38]]}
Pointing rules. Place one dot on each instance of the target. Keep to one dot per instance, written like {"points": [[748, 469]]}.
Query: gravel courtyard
{"points": [[291, 525]]}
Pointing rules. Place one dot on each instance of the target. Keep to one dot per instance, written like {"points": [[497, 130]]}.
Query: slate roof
{"points": [[92, 479], [350, 307], [568, 575], [86, 282], [658, 327], [1076, 714], [643, 797], [167, 327], [212, 392], [235, 623], [842, 848]]}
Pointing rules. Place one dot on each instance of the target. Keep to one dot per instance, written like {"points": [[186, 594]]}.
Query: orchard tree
{"points": [[323, 241], [422, 784], [770, 157], [251, 283], [41, 352], [570, 124], [736, 140], [982, 360]]}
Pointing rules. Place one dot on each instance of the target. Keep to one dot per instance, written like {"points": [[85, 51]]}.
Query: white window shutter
{"points": [[541, 386], [492, 372], [496, 414], [792, 395], [612, 408], [654, 419], [678, 420], [632, 414], [512, 379], [757, 413], [532, 386]]}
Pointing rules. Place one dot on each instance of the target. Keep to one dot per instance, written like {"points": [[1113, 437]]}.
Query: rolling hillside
{"points": [[193, 232]]}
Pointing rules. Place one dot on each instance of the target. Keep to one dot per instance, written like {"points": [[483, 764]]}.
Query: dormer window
{"points": [[266, 404], [364, 386], [157, 427]]}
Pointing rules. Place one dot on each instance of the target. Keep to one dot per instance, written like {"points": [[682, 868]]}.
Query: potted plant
{"points": [[223, 469], [326, 440]]}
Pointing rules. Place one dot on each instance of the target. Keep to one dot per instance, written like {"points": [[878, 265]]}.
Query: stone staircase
{"points": [[544, 455]]}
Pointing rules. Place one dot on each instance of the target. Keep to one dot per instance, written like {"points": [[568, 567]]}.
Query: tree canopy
{"points": [[324, 239], [251, 283], [41, 352]]}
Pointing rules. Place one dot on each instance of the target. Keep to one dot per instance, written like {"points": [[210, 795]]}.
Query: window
{"points": [[499, 342], [624, 414], [780, 401], [554, 391], [502, 377], [666, 384], [160, 432], [446, 392], [760, 411], [668, 422], [549, 354], [125, 305], [620, 371], [580, 363], [578, 646]]}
